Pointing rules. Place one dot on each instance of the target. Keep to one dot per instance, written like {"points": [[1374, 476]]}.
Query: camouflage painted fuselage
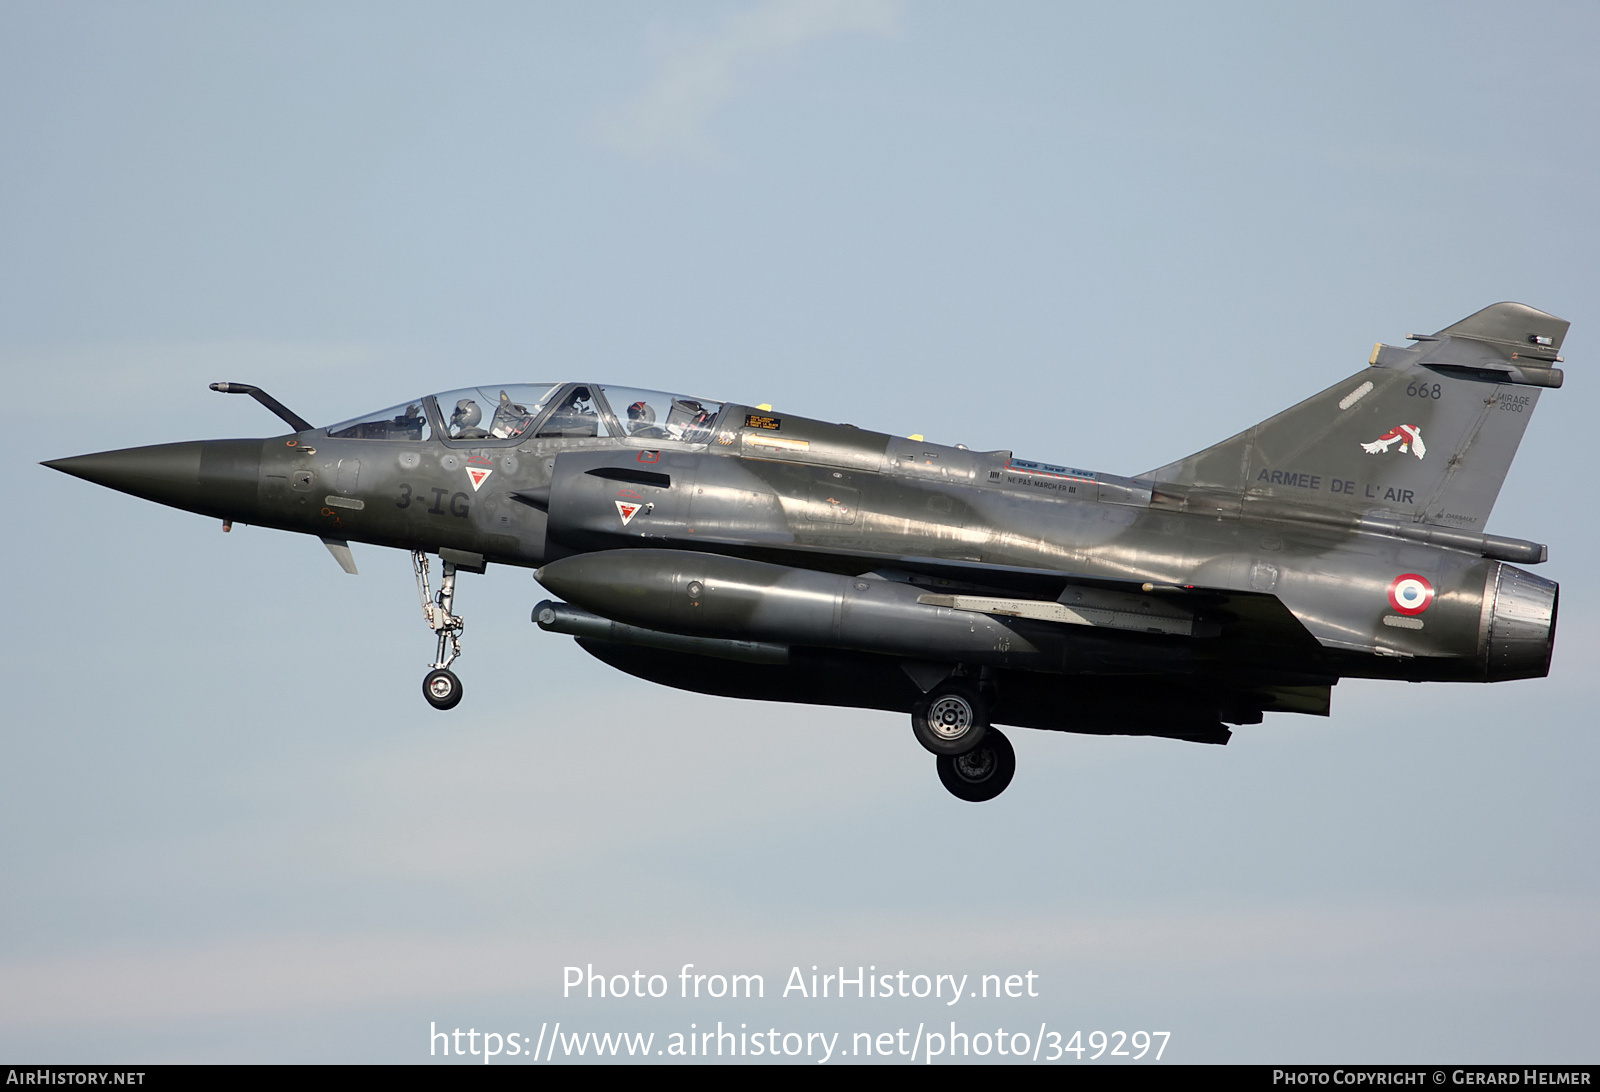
{"points": [[1343, 537]]}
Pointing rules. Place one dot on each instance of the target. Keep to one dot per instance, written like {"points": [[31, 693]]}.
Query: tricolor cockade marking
{"points": [[1410, 594]]}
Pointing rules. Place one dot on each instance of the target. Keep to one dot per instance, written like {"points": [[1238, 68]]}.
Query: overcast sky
{"points": [[1104, 235]]}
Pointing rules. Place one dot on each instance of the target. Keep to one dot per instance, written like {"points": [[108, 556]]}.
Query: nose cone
{"points": [[213, 477], [166, 473]]}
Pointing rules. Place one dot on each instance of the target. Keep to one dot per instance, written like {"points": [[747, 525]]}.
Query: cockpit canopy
{"points": [[493, 413], [519, 411]]}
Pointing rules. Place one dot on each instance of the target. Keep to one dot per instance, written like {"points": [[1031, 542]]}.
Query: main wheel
{"points": [[983, 772], [951, 721], [442, 689]]}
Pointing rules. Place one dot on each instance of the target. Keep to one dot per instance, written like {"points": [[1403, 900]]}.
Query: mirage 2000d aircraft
{"points": [[746, 551]]}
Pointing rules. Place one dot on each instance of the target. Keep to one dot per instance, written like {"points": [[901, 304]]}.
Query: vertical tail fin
{"points": [[1425, 434]]}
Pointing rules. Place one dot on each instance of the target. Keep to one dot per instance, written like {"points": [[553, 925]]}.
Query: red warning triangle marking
{"points": [[478, 476], [627, 511]]}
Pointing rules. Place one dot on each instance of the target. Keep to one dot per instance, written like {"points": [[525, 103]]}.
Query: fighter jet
{"points": [[746, 551]]}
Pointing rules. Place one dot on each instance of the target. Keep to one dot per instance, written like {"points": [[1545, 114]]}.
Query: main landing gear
{"points": [[975, 760], [440, 686], [983, 772], [951, 720]]}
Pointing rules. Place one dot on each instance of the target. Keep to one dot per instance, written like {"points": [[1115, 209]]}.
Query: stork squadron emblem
{"points": [[1410, 436]]}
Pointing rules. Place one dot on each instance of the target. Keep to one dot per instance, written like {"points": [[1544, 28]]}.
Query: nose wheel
{"points": [[442, 689], [440, 686]]}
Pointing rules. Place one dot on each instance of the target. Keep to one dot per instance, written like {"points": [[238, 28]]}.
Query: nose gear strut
{"points": [[440, 686]]}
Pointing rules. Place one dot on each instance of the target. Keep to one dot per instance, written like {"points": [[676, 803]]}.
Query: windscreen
{"points": [[407, 422]]}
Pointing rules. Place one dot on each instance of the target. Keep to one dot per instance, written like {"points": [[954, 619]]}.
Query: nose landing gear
{"points": [[441, 686]]}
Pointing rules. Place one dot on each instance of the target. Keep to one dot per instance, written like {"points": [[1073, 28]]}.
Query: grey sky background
{"points": [[1100, 235]]}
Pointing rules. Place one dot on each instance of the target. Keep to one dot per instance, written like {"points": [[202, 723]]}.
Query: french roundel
{"points": [[1410, 594]]}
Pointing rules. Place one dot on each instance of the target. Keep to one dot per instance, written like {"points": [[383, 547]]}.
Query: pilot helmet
{"points": [[467, 414], [640, 413]]}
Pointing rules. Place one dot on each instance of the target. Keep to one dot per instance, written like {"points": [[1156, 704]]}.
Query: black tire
{"points": [[983, 772], [951, 720], [442, 689]]}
